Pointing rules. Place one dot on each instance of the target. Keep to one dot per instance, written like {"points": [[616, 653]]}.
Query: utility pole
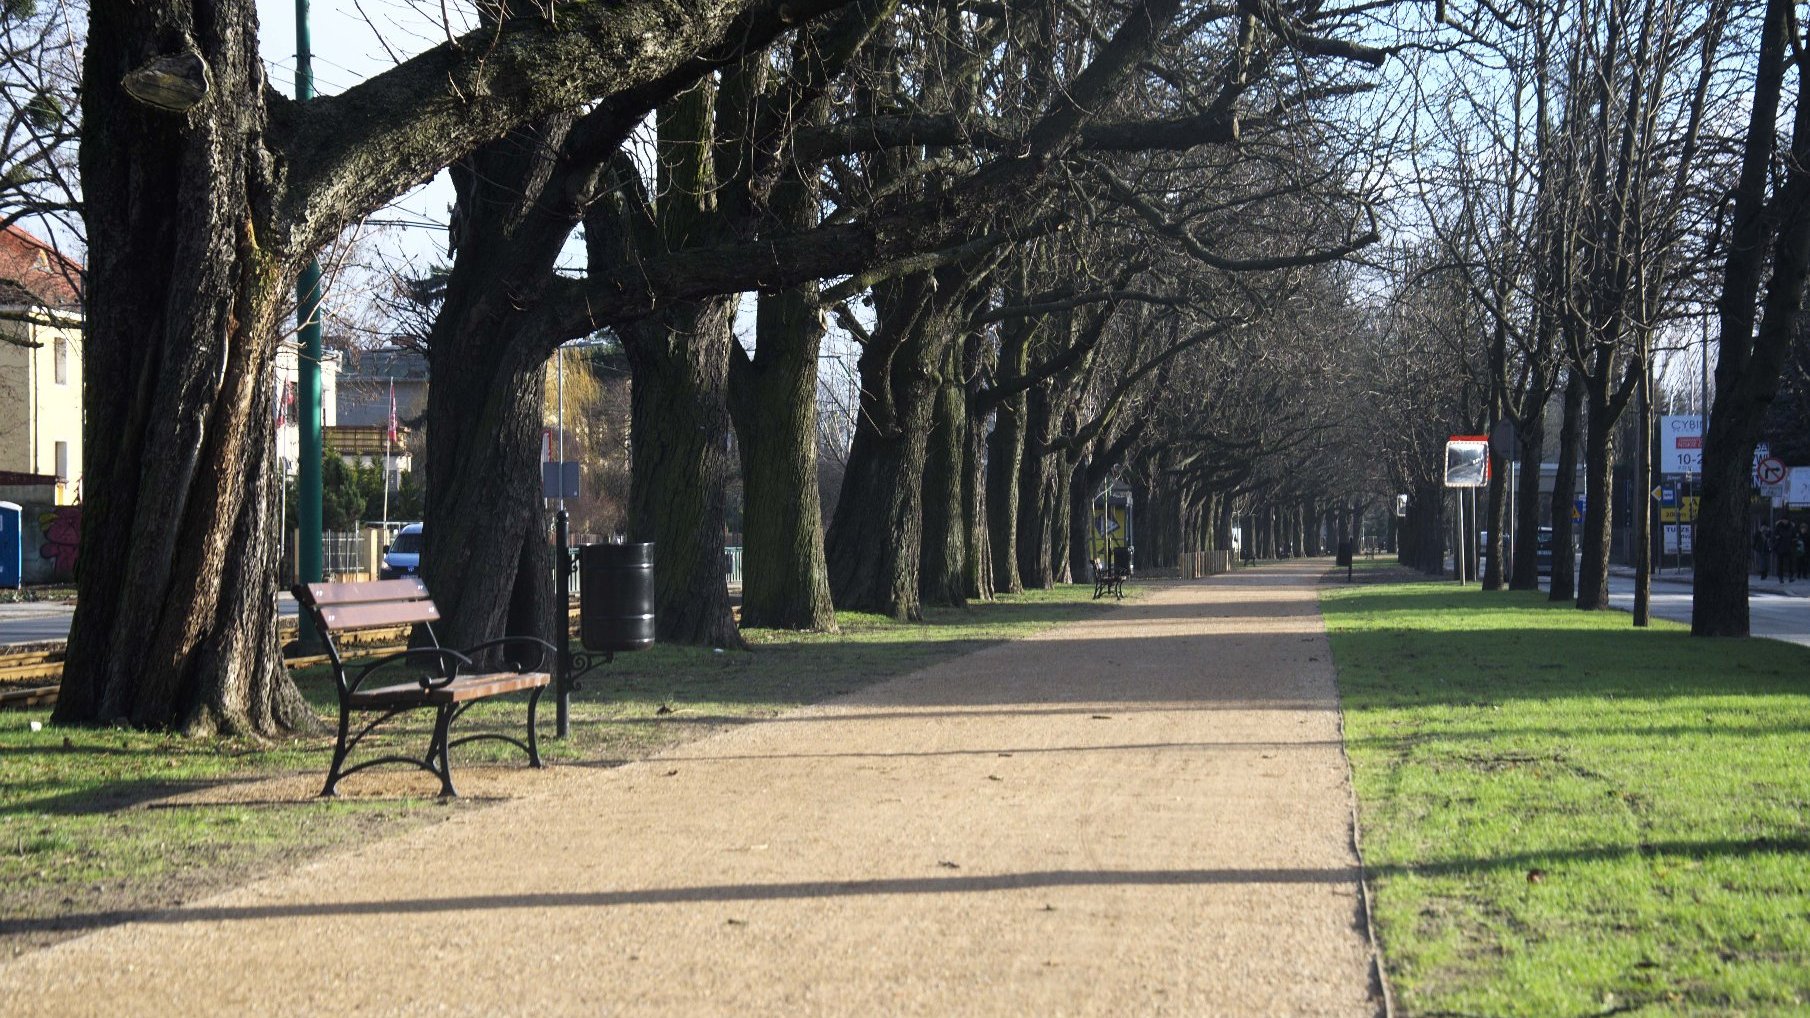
{"points": [[307, 315]]}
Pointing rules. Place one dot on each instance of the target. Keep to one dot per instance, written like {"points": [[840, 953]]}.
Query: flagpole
{"points": [[389, 435]]}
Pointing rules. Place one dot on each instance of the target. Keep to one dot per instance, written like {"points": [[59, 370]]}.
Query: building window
{"points": [[60, 354], [62, 462]]}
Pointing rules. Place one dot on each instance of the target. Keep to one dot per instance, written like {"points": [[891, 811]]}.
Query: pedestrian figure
{"points": [[1784, 549], [1762, 550], [1803, 561]]}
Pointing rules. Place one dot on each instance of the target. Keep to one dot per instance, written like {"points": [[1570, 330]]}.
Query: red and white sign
{"points": [[1770, 471], [1467, 461]]}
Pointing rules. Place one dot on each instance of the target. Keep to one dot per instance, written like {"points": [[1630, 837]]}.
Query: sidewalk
{"points": [[1145, 814], [1755, 585]]}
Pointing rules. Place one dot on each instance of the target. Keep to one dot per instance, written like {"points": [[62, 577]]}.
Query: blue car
{"points": [[402, 557]]}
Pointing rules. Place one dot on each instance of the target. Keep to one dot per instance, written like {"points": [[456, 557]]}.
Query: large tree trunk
{"points": [[942, 573], [484, 516], [483, 510], [1424, 530], [680, 462], [1531, 440], [1564, 492], [680, 466], [1747, 369], [876, 535], [785, 580], [1005, 460], [199, 214], [1599, 480], [1495, 519], [1061, 504], [175, 623], [1036, 480], [978, 561]]}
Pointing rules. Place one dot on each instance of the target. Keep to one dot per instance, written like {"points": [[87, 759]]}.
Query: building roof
{"points": [[383, 364], [32, 273]]}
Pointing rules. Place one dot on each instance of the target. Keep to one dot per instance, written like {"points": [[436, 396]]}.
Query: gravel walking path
{"points": [[1146, 814]]}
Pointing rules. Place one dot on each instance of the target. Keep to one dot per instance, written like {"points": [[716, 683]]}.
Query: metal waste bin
{"points": [[616, 596]]}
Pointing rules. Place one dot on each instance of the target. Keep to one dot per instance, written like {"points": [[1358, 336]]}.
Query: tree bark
{"points": [[1532, 439], [488, 353], [1005, 460], [680, 466], [785, 580], [1036, 480], [876, 535], [1599, 478], [978, 561], [176, 617], [942, 573], [198, 218], [1749, 361], [1563, 586]]}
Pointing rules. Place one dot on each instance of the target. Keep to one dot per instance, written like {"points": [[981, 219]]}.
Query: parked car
{"points": [[402, 556], [1542, 552], [1542, 556]]}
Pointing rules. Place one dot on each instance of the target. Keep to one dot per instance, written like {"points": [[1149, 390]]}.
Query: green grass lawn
{"points": [[89, 834], [1565, 816]]}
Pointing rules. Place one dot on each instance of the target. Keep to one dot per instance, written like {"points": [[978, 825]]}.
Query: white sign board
{"points": [[1678, 538], [1466, 463], [1681, 444], [1797, 486]]}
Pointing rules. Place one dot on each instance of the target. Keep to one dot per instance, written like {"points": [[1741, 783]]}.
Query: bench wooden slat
{"points": [[409, 588], [383, 613], [465, 687]]}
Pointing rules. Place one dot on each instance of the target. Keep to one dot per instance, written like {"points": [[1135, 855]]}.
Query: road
{"points": [[1777, 616], [38, 621]]}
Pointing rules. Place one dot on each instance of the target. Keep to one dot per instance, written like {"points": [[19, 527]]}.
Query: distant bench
{"points": [[446, 681], [1110, 575]]}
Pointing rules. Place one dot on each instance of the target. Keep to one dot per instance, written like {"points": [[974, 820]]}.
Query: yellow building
{"points": [[40, 363]]}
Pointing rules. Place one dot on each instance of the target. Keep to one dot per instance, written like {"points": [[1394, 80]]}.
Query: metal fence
{"points": [[342, 552]]}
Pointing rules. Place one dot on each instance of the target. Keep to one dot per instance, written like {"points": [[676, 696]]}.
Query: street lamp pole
{"points": [[307, 314]]}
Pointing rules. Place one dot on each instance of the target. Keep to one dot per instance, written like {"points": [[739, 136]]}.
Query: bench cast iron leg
{"points": [[340, 749], [442, 745], [533, 732]]}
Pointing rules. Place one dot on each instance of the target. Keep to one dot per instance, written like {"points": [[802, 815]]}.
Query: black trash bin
{"points": [[1121, 560], [1344, 553], [616, 596]]}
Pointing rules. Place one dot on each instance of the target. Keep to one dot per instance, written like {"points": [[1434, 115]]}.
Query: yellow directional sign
{"points": [[1684, 512]]}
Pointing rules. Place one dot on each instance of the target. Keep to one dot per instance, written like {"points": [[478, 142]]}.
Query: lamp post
{"points": [[308, 363]]}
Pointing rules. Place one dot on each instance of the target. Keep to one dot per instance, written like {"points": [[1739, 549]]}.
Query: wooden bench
{"points": [[444, 680]]}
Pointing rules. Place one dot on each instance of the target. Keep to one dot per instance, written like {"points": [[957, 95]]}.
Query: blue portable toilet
{"points": [[12, 545]]}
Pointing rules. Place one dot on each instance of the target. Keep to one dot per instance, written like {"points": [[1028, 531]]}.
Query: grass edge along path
{"points": [[1562, 815], [98, 825]]}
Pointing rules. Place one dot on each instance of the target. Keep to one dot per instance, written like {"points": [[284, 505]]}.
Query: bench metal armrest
{"points": [[449, 661], [546, 650]]}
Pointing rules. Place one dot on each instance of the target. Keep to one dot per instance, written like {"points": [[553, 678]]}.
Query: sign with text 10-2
{"points": [[1681, 444]]}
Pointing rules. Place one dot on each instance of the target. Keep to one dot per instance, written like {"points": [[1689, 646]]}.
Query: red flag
{"points": [[392, 410]]}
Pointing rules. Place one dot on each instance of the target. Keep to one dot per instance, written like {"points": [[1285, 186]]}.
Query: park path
{"points": [[1144, 814]]}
